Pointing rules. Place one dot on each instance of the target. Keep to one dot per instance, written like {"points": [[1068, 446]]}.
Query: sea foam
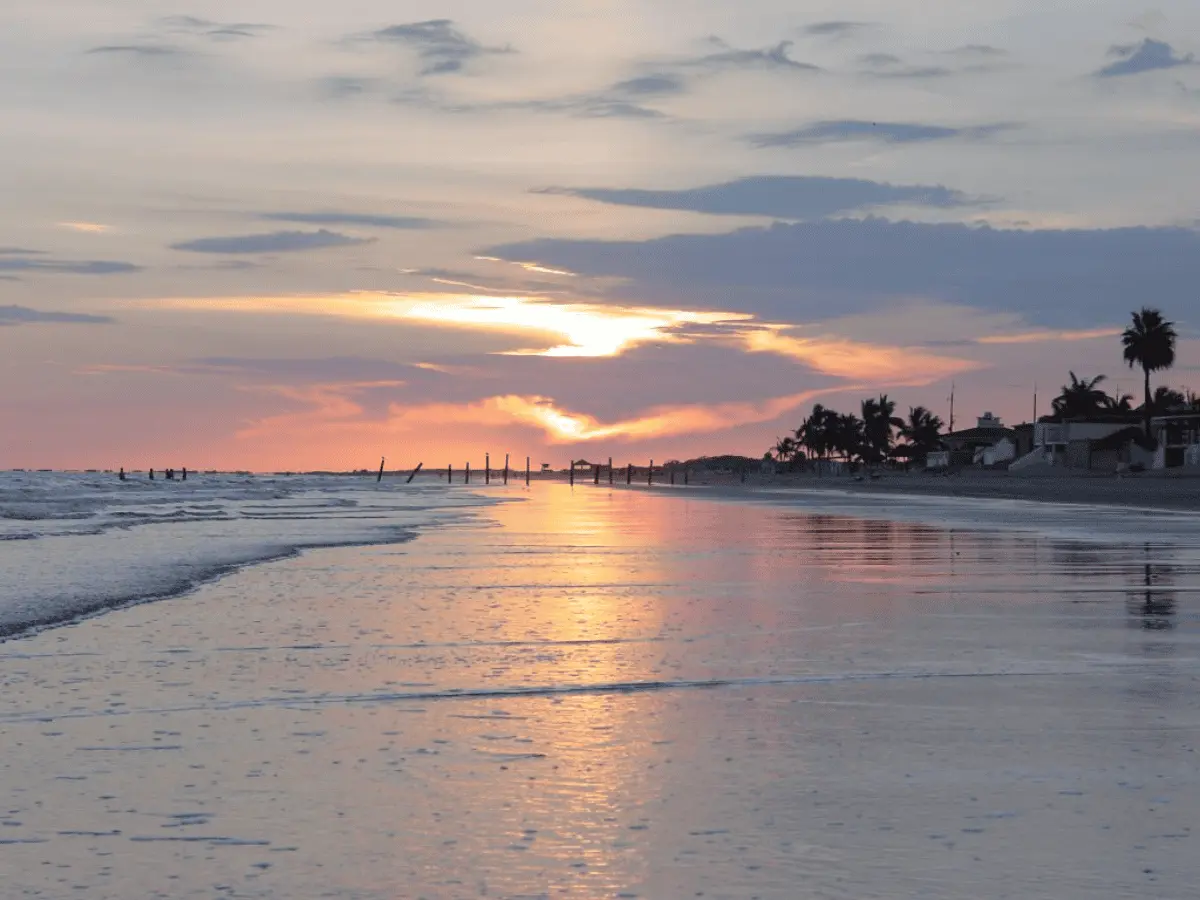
{"points": [[74, 545]]}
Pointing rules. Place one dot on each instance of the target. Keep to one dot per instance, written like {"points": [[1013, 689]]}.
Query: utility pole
{"points": [[1035, 403], [952, 407]]}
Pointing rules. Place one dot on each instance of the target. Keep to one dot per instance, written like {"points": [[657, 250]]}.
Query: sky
{"points": [[290, 234]]}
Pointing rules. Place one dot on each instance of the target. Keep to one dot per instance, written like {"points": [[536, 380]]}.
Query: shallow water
{"points": [[616, 694]]}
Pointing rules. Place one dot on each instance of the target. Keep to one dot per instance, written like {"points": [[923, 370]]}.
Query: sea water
{"points": [[73, 545]]}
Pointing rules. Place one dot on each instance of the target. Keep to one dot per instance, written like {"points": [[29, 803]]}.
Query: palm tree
{"points": [[848, 438], [1150, 343], [1166, 399], [878, 417], [785, 449], [922, 431], [813, 433], [1081, 398]]}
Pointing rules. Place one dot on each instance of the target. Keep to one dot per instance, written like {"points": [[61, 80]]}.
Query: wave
{"points": [[73, 547]]}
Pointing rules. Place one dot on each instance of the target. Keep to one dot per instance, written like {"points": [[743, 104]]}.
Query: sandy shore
{"points": [[1145, 490], [623, 694], [1173, 490]]}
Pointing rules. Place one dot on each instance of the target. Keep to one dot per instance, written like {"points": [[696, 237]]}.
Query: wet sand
{"points": [[623, 694]]}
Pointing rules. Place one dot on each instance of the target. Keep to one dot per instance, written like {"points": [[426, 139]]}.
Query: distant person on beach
{"points": [[185, 473], [121, 475], [151, 474]]}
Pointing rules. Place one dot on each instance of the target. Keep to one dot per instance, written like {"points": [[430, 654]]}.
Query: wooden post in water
{"points": [[596, 474], [450, 474], [527, 471], [506, 468], [487, 469], [414, 473], [382, 460], [610, 471], [467, 477], [629, 474], [572, 473], [650, 474]]}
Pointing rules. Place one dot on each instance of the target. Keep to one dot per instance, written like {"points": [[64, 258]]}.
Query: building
{"points": [[1177, 440], [988, 440], [1104, 443]]}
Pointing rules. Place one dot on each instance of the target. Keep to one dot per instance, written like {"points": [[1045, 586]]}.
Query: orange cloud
{"points": [[570, 329], [844, 358], [334, 411], [1038, 337]]}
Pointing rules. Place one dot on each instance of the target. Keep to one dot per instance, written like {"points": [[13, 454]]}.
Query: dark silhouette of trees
{"points": [[1081, 398], [922, 433], [1149, 342]]}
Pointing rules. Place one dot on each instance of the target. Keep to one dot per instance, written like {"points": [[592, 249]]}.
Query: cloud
{"points": [[1069, 278], [367, 220], [86, 227], [978, 50], [1148, 56], [1045, 336], [658, 84], [276, 242], [916, 72], [17, 260], [835, 29], [22, 315], [439, 44], [147, 51], [777, 196], [206, 28], [341, 369], [879, 60], [774, 58], [886, 132]]}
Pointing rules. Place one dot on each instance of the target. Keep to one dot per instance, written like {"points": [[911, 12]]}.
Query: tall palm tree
{"points": [[1150, 343], [1081, 398]]}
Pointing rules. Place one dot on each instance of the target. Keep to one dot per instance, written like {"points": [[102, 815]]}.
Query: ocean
{"points": [[352, 690]]}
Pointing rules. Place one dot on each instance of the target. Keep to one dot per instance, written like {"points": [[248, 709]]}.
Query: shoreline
{"points": [[1163, 493]]}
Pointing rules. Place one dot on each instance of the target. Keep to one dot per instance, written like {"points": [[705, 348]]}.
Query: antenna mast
{"points": [[952, 406]]}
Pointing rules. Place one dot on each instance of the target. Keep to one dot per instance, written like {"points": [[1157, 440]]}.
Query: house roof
{"points": [[980, 435]]}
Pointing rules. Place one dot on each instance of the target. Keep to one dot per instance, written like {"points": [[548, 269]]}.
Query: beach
{"points": [[630, 693]]}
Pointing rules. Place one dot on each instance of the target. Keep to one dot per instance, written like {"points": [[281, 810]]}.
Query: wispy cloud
{"points": [[861, 130], [212, 30], [1148, 56], [147, 51], [368, 220], [779, 196], [1044, 336], [20, 261], [440, 45], [23, 315], [836, 29], [774, 58], [275, 242], [86, 227]]}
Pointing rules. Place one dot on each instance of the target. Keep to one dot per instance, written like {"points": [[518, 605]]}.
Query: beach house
{"points": [[1177, 440], [1102, 443], [989, 444]]}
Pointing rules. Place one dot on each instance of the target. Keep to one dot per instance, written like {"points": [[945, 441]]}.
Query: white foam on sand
{"points": [[73, 545]]}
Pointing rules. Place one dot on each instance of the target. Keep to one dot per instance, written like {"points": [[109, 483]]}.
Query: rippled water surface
{"points": [[621, 694]]}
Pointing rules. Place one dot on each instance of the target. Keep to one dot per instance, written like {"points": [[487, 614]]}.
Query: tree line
{"points": [[876, 434]]}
